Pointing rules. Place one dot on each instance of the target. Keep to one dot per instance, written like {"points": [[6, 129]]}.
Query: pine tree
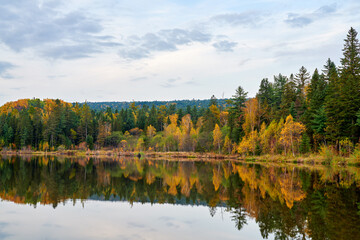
{"points": [[316, 91], [332, 104], [236, 112], [279, 88], [304, 144], [351, 60], [315, 98], [213, 101], [288, 98], [265, 96], [301, 79], [318, 124], [348, 87], [266, 92]]}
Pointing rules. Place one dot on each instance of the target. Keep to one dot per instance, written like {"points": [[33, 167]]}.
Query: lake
{"points": [[88, 198]]}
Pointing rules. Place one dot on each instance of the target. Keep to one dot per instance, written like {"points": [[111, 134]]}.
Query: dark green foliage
{"points": [[343, 100], [237, 103], [287, 105], [316, 92], [279, 87], [265, 97], [213, 101], [305, 144], [266, 92], [301, 79], [318, 121]]}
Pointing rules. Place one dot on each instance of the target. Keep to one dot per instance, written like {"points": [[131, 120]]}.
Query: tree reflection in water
{"points": [[290, 202]]}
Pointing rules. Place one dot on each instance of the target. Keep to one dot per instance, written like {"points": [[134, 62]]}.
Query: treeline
{"points": [[297, 114], [180, 104]]}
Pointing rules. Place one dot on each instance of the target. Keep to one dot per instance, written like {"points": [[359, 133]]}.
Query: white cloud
{"points": [[124, 50]]}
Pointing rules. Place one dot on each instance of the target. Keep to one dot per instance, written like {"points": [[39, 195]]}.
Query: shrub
{"points": [[327, 152]]}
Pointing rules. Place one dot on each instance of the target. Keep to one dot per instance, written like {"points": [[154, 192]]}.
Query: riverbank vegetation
{"points": [[296, 115]]}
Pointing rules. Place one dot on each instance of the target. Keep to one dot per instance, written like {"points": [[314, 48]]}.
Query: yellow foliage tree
{"points": [[45, 146], [185, 143], [263, 138], [227, 145], [151, 131], [251, 115], [217, 134], [193, 138], [172, 133], [248, 143], [186, 124], [269, 137], [291, 134], [123, 145], [215, 111], [140, 144]]}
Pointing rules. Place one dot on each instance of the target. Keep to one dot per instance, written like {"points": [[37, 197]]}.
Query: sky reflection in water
{"points": [[86, 198], [118, 220]]}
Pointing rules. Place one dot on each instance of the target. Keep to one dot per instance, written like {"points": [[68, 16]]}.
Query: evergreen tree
{"points": [[213, 101], [316, 98], [304, 144], [345, 93], [266, 92], [265, 96], [287, 105], [301, 79], [350, 85], [236, 113], [317, 124], [332, 104], [279, 87], [153, 118]]}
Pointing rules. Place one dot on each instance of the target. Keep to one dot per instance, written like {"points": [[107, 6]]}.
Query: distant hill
{"points": [[183, 104]]}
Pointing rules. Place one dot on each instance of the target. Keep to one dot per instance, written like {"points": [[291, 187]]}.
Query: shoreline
{"points": [[311, 159]]}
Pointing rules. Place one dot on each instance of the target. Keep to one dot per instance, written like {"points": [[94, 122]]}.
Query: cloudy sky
{"points": [[114, 50]]}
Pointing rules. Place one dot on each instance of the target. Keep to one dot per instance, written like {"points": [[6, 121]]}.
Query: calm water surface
{"points": [[86, 198]]}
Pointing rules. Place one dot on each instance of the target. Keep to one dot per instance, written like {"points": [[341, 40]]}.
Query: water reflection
{"points": [[288, 202]]}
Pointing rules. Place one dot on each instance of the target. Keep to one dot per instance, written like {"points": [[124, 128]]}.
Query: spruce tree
{"points": [[288, 99], [350, 86], [279, 87], [315, 97], [265, 96], [301, 79], [236, 113], [332, 103]]}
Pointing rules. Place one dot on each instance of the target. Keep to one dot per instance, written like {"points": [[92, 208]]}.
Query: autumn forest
{"points": [[290, 115]]}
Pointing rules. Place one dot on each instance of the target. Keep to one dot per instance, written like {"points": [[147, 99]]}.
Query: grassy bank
{"points": [[310, 159]]}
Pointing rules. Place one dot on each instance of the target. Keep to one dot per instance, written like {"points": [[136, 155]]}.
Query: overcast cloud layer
{"points": [[110, 50]]}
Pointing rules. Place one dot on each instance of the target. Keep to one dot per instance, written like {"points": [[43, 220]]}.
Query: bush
{"points": [[356, 154], [345, 147], [327, 152], [114, 139], [61, 148], [90, 142]]}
